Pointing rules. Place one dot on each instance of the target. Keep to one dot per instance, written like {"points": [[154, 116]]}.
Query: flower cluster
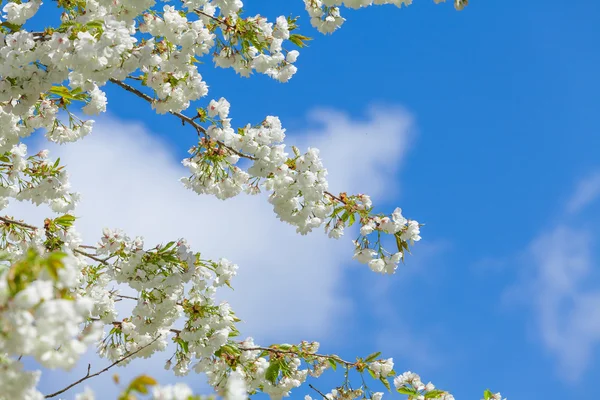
{"points": [[53, 292], [297, 184], [58, 296], [35, 179], [160, 48], [41, 317], [410, 383], [325, 14]]}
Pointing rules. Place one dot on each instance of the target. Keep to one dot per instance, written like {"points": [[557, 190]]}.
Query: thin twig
{"points": [[21, 224], [120, 323], [40, 36], [223, 22], [93, 257], [122, 296], [184, 118], [139, 93], [9, 221], [88, 375], [279, 351], [317, 390], [333, 197]]}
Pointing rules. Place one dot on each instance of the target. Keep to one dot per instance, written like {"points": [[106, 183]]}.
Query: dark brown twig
{"points": [[184, 118], [296, 353], [93, 257], [21, 224], [317, 390], [88, 375]]}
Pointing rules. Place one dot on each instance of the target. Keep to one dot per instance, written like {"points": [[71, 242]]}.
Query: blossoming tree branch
{"points": [[57, 294]]}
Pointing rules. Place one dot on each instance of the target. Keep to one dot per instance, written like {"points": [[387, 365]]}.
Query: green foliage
{"points": [[141, 385], [27, 269]]}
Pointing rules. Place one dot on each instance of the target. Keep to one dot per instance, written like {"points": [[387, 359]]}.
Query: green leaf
{"points": [[273, 372], [95, 24], [146, 380], [332, 363], [68, 95], [337, 210], [398, 242], [5, 255], [372, 357], [66, 221], [373, 375], [487, 395], [352, 220], [299, 40], [54, 263], [345, 216], [167, 247], [11, 26], [407, 390], [434, 394], [141, 383], [184, 345], [386, 383], [232, 350]]}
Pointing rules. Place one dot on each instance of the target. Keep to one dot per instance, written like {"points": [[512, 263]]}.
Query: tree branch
{"points": [[9, 221], [184, 118], [333, 197], [317, 390], [296, 353], [119, 323], [121, 296], [93, 257], [223, 22], [88, 375]]}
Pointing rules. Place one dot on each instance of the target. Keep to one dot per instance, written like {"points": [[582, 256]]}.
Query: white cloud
{"points": [[363, 154], [288, 285], [566, 310], [567, 313], [561, 287], [587, 191]]}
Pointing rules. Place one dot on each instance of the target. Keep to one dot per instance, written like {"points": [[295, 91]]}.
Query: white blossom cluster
{"points": [[325, 14], [35, 179], [40, 317], [173, 283], [99, 41], [297, 185], [58, 296], [400, 227]]}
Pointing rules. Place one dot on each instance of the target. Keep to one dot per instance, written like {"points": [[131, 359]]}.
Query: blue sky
{"points": [[500, 162]]}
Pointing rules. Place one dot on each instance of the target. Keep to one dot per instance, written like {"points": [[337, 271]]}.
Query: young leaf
{"points": [[434, 394], [372, 357], [299, 40], [332, 363], [273, 372], [407, 390], [386, 383], [373, 375]]}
